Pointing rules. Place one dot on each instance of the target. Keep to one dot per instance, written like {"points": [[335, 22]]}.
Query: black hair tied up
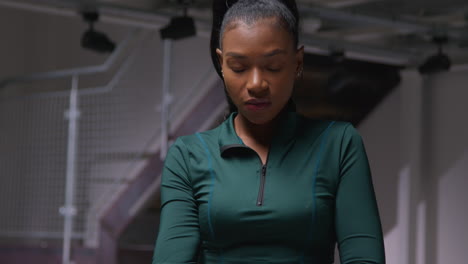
{"points": [[260, 9], [220, 8]]}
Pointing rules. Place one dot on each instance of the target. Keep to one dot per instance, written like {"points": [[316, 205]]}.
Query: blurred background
{"points": [[92, 92]]}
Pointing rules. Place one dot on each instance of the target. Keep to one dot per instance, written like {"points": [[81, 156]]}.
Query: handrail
{"points": [[68, 210], [93, 90], [73, 71], [154, 141], [125, 64]]}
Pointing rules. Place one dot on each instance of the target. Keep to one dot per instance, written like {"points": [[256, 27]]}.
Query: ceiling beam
{"points": [[396, 57], [151, 20], [404, 27], [337, 3]]}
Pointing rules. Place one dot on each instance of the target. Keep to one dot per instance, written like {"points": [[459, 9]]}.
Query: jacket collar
{"points": [[285, 132]]}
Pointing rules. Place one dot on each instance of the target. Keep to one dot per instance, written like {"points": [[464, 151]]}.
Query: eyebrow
{"points": [[275, 52], [269, 54]]}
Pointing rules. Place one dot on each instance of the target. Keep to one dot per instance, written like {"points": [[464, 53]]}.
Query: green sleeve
{"points": [[178, 236], [359, 232]]}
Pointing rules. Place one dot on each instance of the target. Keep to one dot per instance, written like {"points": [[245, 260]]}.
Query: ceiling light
{"points": [[179, 27], [95, 40], [438, 62]]}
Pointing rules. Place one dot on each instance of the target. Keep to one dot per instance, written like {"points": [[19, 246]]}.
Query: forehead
{"points": [[261, 34]]}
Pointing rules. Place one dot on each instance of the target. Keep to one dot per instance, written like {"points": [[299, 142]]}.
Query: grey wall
{"points": [[390, 132]]}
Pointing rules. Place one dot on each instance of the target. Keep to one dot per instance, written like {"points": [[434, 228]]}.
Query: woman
{"points": [[267, 185]]}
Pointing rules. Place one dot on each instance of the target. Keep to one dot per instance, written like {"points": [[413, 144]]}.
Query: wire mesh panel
{"points": [[118, 128], [33, 154], [116, 131]]}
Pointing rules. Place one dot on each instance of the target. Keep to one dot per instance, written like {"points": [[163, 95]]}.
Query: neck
{"points": [[248, 131]]}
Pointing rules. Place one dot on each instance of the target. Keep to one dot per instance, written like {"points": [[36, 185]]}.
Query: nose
{"points": [[256, 84]]}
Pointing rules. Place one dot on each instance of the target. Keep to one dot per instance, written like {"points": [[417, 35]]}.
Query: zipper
{"points": [[262, 186], [262, 175]]}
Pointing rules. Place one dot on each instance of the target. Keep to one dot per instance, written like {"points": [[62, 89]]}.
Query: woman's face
{"points": [[260, 64]]}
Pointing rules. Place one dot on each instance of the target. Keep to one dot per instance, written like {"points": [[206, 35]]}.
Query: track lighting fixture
{"points": [[179, 27], [95, 40], [438, 62]]}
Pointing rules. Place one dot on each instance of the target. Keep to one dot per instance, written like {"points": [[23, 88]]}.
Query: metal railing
{"points": [[68, 210], [83, 166]]}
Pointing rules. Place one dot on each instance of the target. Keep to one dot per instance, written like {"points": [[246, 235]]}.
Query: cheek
{"points": [[285, 84], [232, 87]]}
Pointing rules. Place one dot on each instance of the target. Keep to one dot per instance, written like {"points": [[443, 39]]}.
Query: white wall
{"points": [[380, 133], [420, 132], [449, 168]]}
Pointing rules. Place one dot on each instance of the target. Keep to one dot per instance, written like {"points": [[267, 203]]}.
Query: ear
{"points": [[220, 57], [300, 59]]}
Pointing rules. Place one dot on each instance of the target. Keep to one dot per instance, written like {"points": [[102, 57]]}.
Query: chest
{"points": [[241, 200]]}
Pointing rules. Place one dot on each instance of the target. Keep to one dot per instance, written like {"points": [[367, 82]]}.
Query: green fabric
{"points": [[317, 192]]}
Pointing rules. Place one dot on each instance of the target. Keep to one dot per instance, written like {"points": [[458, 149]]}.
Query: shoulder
{"points": [[339, 137], [198, 143], [199, 138], [331, 128]]}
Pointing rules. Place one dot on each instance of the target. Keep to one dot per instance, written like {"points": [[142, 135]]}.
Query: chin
{"points": [[259, 119]]}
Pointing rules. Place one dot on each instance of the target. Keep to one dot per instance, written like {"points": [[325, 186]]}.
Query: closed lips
{"points": [[258, 102]]}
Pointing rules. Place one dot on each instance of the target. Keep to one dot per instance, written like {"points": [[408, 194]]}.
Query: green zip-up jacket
{"points": [[220, 204]]}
